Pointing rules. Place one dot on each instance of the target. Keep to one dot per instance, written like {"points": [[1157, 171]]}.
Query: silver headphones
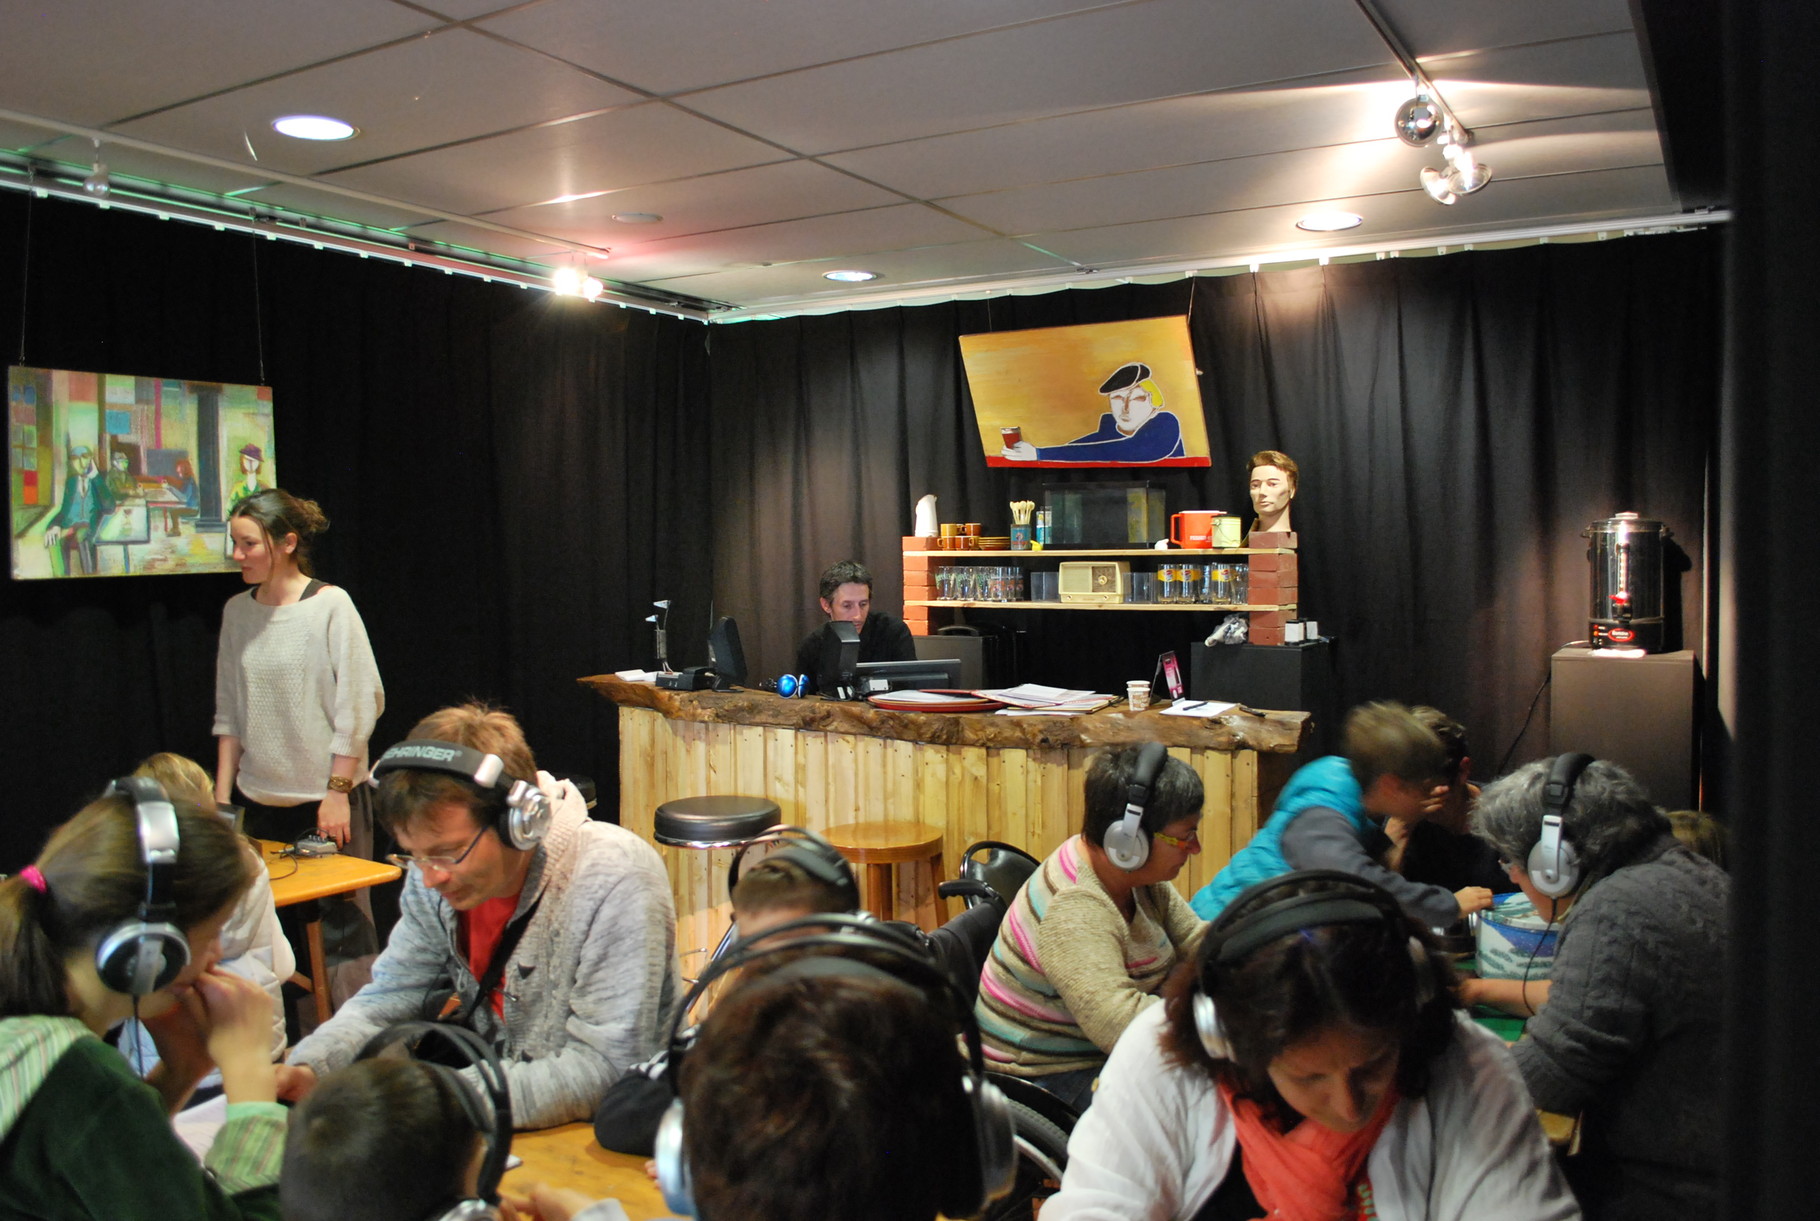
{"points": [[143, 954], [1553, 865], [1126, 842], [1232, 939], [523, 811]]}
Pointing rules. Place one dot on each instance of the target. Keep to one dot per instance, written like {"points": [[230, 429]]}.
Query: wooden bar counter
{"points": [[975, 775]]}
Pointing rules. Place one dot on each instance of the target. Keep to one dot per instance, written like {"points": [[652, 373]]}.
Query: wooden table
{"points": [[306, 879], [568, 1157]]}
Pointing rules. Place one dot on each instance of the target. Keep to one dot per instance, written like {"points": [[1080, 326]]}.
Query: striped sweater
{"points": [[1068, 973]]}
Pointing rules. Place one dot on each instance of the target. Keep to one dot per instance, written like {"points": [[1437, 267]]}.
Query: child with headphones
{"points": [[1634, 1015], [118, 917], [1311, 1064], [1087, 943]]}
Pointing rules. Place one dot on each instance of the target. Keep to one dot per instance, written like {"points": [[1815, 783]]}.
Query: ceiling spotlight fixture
{"points": [[314, 127], [1330, 222], [850, 277], [574, 282], [1464, 173], [637, 218], [98, 183], [1418, 120]]}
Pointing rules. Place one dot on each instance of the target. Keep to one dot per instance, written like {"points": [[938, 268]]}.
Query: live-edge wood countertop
{"points": [[1233, 730]]}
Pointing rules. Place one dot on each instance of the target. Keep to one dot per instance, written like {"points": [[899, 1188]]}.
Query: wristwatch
{"points": [[341, 784]]}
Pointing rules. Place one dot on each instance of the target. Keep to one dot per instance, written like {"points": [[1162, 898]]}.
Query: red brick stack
{"points": [[919, 582], [1273, 581]]}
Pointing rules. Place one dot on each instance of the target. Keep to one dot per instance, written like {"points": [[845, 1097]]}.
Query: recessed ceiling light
{"points": [[850, 277], [314, 127], [1330, 222], [637, 218]]}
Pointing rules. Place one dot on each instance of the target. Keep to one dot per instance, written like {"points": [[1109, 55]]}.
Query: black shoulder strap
{"points": [[496, 965], [309, 591]]}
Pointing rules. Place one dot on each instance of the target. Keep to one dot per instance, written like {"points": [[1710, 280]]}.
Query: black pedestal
{"points": [[1281, 677]]}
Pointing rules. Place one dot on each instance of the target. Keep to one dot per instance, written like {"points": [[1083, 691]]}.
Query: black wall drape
{"points": [[1458, 422], [510, 479]]}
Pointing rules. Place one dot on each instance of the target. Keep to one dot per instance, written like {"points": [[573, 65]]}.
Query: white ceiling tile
{"points": [[419, 94], [803, 281], [652, 142], [312, 202], [1543, 82], [872, 233], [1105, 57], [1428, 28], [672, 46], [701, 205], [94, 62]]}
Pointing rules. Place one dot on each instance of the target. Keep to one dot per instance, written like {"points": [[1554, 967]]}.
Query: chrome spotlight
{"points": [[1418, 121]]}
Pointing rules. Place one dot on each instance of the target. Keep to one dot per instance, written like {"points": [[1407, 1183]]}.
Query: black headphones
{"points": [[806, 850], [1553, 865], [521, 811], [143, 954], [1126, 842], [492, 1116], [1232, 939], [838, 938]]}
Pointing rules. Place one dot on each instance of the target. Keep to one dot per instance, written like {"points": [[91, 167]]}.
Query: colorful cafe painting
{"points": [[115, 475]]}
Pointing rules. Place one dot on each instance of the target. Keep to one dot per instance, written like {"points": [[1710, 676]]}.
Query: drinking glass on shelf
{"points": [[1241, 584], [1165, 582]]}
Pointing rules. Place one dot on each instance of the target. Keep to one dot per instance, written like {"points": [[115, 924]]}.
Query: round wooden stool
{"points": [[881, 845]]}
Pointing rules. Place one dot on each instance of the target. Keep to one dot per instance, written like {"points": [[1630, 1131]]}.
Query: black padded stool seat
{"points": [[714, 822]]}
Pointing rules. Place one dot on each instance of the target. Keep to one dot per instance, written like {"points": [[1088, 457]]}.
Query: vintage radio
{"points": [[1095, 580]]}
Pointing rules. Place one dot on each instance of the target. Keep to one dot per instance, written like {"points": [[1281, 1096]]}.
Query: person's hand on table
{"points": [[1472, 899], [333, 817], [547, 1203], [295, 1081]]}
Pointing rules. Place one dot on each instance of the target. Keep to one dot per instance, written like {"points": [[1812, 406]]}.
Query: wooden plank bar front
{"points": [[1016, 779]]}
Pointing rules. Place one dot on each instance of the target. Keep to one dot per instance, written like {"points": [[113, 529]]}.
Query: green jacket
{"points": [[82, 1138]]}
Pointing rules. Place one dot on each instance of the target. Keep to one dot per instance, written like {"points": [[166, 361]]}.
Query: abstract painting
{"points": [[115, 475]]}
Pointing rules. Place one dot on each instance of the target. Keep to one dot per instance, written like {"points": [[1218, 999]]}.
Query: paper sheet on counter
{"points": [[1198, 708]]}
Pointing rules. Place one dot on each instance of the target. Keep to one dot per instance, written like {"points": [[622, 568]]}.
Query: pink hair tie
{"points": [[34, 879]]}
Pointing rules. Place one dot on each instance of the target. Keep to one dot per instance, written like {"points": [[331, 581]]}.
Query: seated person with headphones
{"points": [[1312, 1064], [1632, 1026], [1330, 816], [1087, 943], [550, 935], [119, 917]]}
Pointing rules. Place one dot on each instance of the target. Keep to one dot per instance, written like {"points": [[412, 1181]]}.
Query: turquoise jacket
{"points": [[1328, 783]]}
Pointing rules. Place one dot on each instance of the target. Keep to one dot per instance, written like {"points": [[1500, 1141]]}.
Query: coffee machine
{"points": [[1626, 555]]}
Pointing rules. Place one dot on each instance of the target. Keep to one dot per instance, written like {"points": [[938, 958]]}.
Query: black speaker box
{"points": [[1272, 677]]}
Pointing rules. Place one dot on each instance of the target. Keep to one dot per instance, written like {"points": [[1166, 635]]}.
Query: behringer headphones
{"points": [[832, 940], [520, 810], [1233, 938], [143, 954], [492, 1116], [806, 850], [1553, 865], [1126, 842]]}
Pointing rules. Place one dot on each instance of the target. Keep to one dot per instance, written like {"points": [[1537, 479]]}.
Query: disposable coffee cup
{"points": [[1011, 436], [1137, 694]]}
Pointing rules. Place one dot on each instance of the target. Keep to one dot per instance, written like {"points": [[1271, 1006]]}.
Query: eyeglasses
{"points": [[443, 863], [1187, 843]]}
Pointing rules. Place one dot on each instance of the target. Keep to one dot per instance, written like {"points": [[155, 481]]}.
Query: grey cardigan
{"points": [[588, 989]]}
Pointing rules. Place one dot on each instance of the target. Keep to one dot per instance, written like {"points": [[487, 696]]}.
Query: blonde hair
{"points": [[182, 777]]}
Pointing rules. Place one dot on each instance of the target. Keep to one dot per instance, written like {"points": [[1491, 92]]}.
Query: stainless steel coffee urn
{"points": [[1626, 555]]}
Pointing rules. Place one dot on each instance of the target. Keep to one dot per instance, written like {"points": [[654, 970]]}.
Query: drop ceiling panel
{"points": [[803, 281], [720, 201], [1105, 57], [430, 91], [670, 47], [1544, 82], [93, 62], [871, 232], [1183, 130], [652, 142], [1430, 29], [1410, 214]]}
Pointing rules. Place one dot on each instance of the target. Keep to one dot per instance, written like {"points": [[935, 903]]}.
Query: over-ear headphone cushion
{"points": [[117, 958]]}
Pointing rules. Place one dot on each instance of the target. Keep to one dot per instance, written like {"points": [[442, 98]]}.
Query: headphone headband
{"points": [[803, 848], [524, 811], [495, 1127]]}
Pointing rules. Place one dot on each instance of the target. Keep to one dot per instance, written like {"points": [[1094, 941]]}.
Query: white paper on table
{"points": [[1197, 708], [197, 1125], [931, 699], [636, 676]]}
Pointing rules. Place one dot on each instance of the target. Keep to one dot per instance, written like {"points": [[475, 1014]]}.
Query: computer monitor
{"points": [[725, 656], [924, 674]]}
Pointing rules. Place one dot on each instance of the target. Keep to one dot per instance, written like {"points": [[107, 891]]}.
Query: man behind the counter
{"points": [[846, 596]]}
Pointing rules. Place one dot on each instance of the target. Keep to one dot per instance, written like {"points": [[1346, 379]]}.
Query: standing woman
{"points": [[296, 690], [119, 917]]}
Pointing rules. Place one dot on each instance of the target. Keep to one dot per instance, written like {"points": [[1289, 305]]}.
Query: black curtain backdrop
{"points": [[510, 479], [1458, 422]]}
